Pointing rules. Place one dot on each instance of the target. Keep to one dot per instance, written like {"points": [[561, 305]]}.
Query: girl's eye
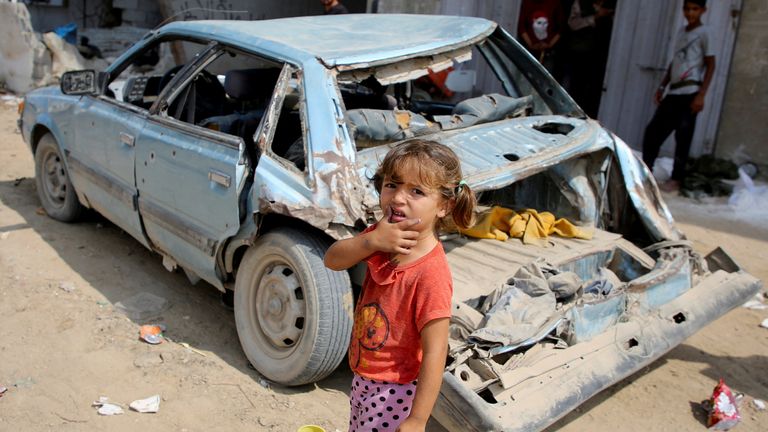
{"points": [[390, 185], [418, 191]]}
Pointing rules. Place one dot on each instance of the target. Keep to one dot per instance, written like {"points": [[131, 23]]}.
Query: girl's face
{"points": [[404, 197]]}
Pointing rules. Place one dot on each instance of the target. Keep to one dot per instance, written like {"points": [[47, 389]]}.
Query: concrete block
{"points": [[25, 63]]}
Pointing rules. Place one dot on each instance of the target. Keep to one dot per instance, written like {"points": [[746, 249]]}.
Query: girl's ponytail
{"points": [[463, 213]]}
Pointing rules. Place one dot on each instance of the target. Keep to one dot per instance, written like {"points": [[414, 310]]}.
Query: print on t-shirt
{"points": [[370, 331]]}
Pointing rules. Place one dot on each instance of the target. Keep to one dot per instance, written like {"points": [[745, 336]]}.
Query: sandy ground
{"points": [[63, 344]]}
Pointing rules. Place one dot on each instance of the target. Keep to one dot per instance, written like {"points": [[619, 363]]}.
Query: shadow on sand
{"points": [[119, 267]]}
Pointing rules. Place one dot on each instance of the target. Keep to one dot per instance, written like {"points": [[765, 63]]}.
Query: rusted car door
{"points": [[189, 180]]}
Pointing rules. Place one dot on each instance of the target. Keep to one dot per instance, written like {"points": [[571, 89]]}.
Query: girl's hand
{"points": [[394, 237], [412, 425]]}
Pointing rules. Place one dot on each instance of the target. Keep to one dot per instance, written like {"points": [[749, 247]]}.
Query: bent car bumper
{"points": [[533, 397]]}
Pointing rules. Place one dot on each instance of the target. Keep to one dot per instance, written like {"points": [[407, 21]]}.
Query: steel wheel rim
{"points": [[280, 307], [54, 179]]}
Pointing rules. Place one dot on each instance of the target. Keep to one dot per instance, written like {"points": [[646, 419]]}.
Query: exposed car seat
{"points": [[250, 91]]}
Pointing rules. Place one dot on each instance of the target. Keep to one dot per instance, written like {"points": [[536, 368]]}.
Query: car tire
{"points": [[54, 188], [293, 314]]}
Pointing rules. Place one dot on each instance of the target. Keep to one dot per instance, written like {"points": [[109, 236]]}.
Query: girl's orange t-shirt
{"points": [[394, 305]]}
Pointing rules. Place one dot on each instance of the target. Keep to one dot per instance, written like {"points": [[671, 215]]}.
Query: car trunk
{"points": [[538, 329]]}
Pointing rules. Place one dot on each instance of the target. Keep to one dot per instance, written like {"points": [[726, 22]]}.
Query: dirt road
{"points": [[63, 344]]}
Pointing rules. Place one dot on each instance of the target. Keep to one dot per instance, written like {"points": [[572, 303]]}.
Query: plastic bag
{"points": [[723, 414]]}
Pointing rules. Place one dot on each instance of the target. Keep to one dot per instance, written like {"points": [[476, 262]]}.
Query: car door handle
{"points": [[126, 139], [219, 178]]}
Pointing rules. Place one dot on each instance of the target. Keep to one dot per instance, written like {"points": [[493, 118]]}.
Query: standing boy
{"points": [[688, 76]]}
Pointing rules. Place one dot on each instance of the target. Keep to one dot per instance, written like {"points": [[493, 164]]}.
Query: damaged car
{"points": [[241, 150]]}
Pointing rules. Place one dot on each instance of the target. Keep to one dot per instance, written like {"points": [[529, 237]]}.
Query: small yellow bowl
{"points": [[310, 428]]}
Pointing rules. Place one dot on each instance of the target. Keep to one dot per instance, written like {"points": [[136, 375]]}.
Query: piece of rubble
{"points": [[66, 57], [148, 405], [759, 404], [25, 62], [106, 408]]}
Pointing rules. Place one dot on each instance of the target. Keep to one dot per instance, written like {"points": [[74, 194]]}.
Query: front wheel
{"points": [[54, 188], [293, 315]]}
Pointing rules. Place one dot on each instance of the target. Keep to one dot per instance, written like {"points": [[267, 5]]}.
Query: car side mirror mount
{"points": [[83, 82]]}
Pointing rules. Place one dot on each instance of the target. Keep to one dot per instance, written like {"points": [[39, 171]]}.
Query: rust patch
{"points": [[403, 119]]}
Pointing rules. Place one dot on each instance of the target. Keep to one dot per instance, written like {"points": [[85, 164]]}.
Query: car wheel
{"points": [[54, 188], [293, 315]]}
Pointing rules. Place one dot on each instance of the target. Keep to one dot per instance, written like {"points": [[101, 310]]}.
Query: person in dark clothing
{"points": [[539, 27], [590, 23], [333, 7], [688, 78]]}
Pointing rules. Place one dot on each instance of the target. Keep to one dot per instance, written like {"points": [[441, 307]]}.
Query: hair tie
{"points": [[460, 186]]}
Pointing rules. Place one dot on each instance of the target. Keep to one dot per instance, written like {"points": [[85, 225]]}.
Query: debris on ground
{"points": [[24, 383], [749, 197], [152, 333], [196, 351], [107, 408], [764, 324], [148, 405], [759, 404], [3, 390], [756, 303], [724, 412], [67, 286], [143, 306], [708, 176]]}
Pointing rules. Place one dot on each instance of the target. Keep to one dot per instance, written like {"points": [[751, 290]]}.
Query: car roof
{"points": [[344, 39]]}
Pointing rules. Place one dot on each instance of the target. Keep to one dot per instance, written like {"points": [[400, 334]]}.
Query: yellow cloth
{"points": [[533, 227]]}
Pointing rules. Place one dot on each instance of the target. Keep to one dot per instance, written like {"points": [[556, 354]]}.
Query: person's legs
{"points": [[378, 405], [683, 137], [661, 125]]}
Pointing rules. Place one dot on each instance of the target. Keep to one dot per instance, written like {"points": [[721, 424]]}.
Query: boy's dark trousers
{"points": [[674, 113]]}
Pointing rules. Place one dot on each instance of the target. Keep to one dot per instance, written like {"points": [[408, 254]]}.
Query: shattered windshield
{"points": [[489, 81]]}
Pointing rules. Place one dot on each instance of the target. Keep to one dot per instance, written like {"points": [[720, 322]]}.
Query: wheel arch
{"points": [[38, 131], [264, 224]]}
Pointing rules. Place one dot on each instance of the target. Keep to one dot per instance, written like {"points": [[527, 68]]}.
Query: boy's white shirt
{"points": [[688, 59]]}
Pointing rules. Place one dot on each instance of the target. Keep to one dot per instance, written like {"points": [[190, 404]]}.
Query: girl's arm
{"points": [[434, 345], [387, 237]]}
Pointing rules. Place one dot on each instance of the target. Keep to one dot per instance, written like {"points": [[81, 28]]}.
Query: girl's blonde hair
{"points": [[437, 167]]}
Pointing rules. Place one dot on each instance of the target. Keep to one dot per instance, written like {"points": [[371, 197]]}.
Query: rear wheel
{"points": [[293, 315], [54, 188]]}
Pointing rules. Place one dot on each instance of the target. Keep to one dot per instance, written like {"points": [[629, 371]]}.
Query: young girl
{"points": [[400, 336]]}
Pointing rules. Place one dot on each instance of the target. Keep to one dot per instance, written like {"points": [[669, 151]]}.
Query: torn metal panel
{"points": [[405, 70], [645, 195], [577, 373]]}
